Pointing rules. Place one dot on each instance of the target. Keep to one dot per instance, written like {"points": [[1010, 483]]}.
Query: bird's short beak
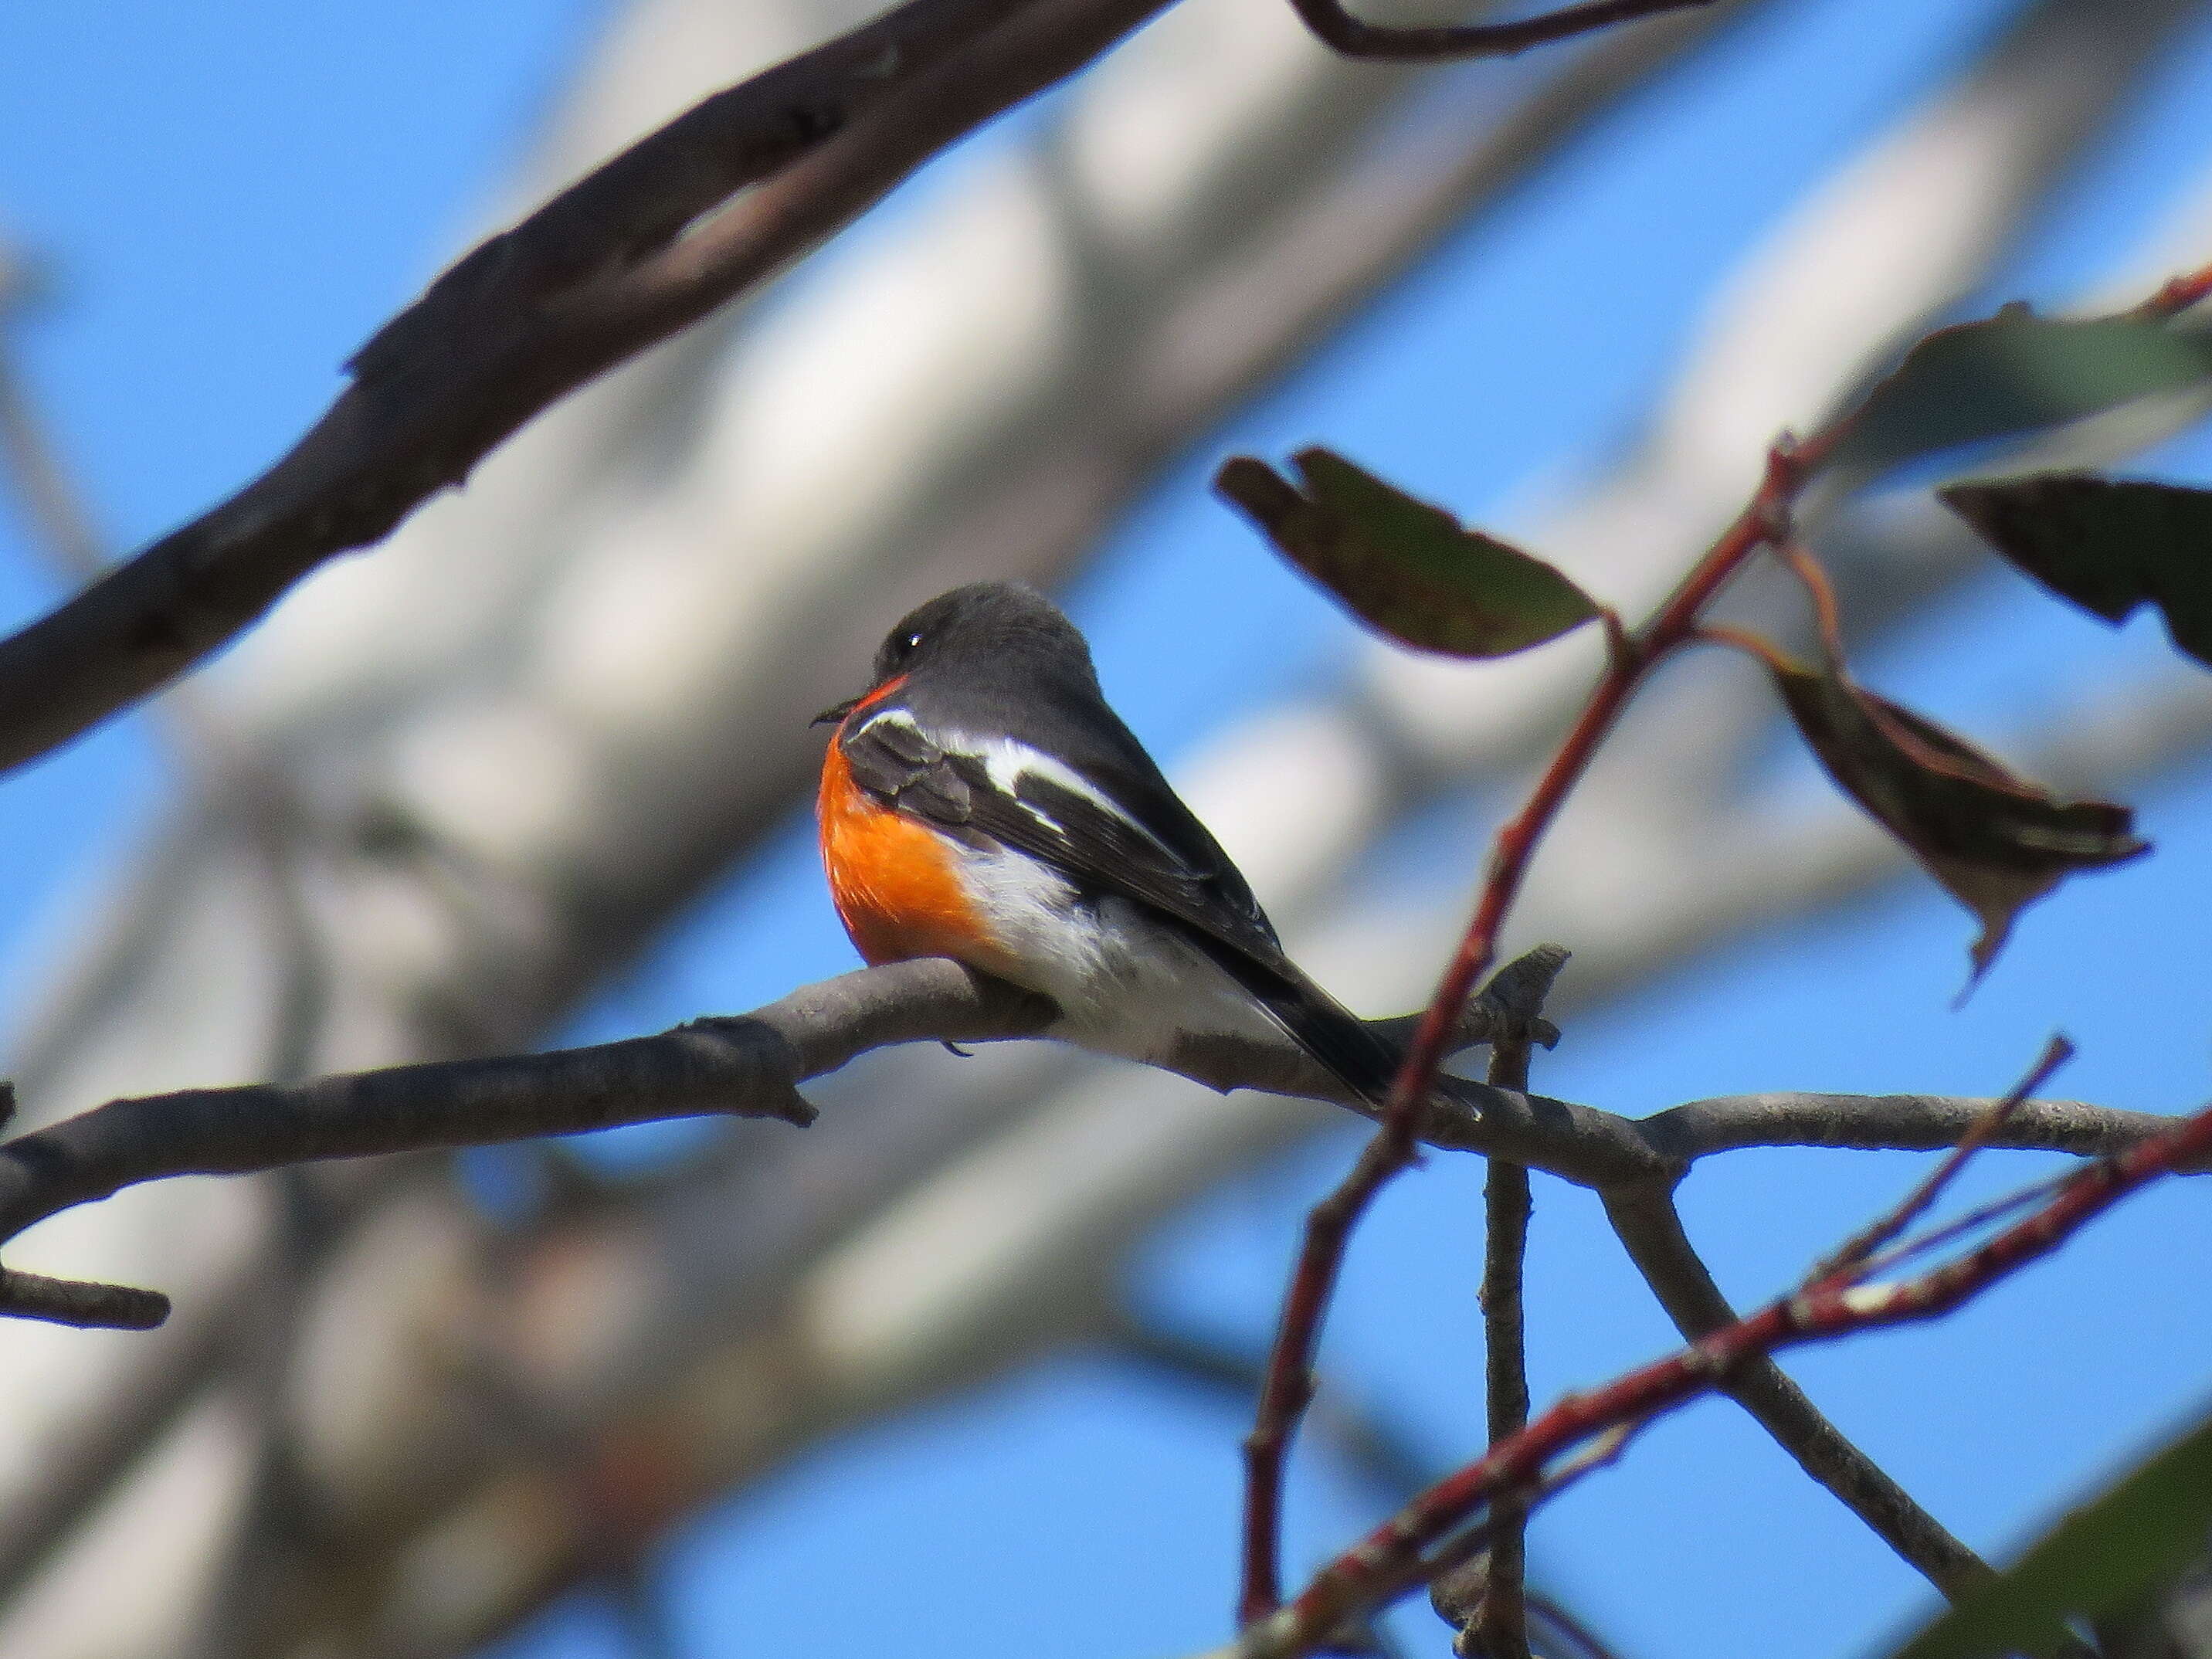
{"points": [[836, 713]]}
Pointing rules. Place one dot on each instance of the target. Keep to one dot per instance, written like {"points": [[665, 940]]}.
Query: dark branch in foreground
{"points": [[693, 214], [596, 275], [1344, 32], [747, 1066], [80, 1301]]}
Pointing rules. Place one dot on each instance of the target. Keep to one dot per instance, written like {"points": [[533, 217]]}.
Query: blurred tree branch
{"points": [[593, 277], [51, 503], [644, 246]]}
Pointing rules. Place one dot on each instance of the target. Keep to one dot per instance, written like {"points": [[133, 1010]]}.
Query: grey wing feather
{"points": [[895, 761]]}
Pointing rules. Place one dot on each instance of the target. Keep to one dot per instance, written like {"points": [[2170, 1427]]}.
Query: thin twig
{"points": [[1849, 1264], [1974, 1220], [1289, 1387], [1500, 1629], [1650, 1229], [80, 1302]]}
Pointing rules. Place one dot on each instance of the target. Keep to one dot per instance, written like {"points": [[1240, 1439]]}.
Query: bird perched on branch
{"points": [[980, 801]]}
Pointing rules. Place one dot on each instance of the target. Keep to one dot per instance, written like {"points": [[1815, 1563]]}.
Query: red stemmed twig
{"points": [[1390, 1560], [1289, 1385], [1763, 521], [1850, 1264]]}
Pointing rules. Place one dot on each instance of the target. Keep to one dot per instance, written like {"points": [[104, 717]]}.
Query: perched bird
{"points": [[980, 801]]}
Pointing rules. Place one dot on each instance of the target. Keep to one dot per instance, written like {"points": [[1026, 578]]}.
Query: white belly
{"points": [[1126, 984]]}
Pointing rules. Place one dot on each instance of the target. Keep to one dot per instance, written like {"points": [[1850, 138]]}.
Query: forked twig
{"points": [[1392, 1558], [1392, 1148], [1850, 1264]]}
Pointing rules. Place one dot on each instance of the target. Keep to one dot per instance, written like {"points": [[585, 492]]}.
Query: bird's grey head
{"points": [[1007, 628]]}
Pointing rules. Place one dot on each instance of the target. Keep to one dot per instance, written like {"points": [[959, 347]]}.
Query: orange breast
{"points": [[893, 880]]}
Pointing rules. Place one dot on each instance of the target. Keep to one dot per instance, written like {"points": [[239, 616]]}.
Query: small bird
{"points": [[981, 801]]}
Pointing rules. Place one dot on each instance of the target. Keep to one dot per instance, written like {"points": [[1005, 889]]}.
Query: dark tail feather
{"points": [[1347, 1046]]}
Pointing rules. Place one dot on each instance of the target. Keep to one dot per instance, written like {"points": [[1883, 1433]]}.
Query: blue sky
{"points": [[231, 194]]}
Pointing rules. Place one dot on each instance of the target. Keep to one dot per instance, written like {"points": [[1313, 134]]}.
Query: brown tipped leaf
{"points": [[2107, 544], [1402, 565], [1996, 842], [2014, 373]]}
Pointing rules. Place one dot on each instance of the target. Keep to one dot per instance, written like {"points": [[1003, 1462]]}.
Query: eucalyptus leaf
{"points": [[1402, 565], [2135, 1537], [1995, 841], [2014, 373], [2108, 545]]}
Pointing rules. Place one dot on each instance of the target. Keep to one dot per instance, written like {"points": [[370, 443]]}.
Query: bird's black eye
{"points": [[908, 643]]}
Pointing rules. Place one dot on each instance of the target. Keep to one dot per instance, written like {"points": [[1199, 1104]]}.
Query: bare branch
{"points": [[28, 459], [1502, 1632], [747, 1066], [1917, 1123], [1497, 1626], [1289, 1388]]}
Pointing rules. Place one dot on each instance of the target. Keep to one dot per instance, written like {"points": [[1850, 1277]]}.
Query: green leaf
{"points": [[1402, 565], [2134, 1538], [1995, 841], [2013, 374], [2108, 545]]}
